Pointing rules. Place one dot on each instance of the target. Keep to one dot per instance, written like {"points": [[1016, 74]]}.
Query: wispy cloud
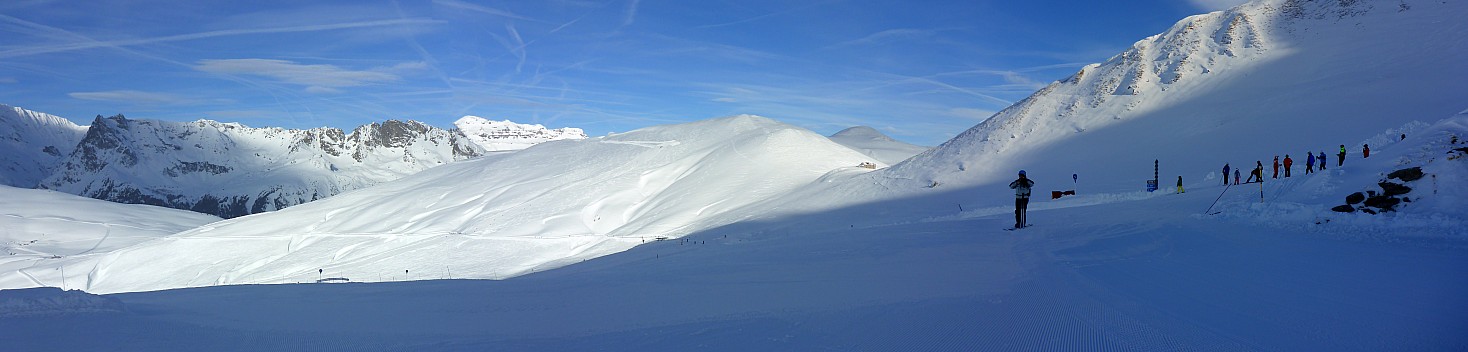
{"points": [[630, 14], [764, 16], [136, 97], [8, 80], [481, 9], [317, 78], [890, 35], [92, 44], [1215, 5]]}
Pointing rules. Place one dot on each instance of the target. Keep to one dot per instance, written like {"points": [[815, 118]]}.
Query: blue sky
{"points": [[919, 70]]}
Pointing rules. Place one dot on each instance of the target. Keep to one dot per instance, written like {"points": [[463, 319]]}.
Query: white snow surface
{"points": [[498, 136], [873, 143], [40, 228], [779, 243], [493, 217]]}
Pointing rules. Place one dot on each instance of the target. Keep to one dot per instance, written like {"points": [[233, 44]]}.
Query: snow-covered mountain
{"points": [[501, 215], [873, 143], [817, 254], [230, 170], [32, 144], [1267, 78], [505, 135]]}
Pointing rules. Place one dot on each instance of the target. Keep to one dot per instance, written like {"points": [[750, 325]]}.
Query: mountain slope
{"points": [[1267, 78], [232, 170], [502, 215], [496, 136], [873, 143], [38, 227], [32, 144]]}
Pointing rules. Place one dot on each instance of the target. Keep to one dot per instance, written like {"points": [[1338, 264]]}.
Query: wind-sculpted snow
{"points": [[498, 216]]}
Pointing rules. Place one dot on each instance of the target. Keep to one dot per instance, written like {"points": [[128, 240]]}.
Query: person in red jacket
{"points": [[1288, 162], [1276, 166], [1365, 151]]}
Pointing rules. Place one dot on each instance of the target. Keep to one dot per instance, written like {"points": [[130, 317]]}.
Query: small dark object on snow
{"points": [[1392, 189], [1344, 209], [1386, 203], [1355, 198], [1368, 211], [1407, 175]]}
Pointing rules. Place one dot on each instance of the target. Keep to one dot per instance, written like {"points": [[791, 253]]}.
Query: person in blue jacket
{"points": [[1021, 189], [1309, 163]]}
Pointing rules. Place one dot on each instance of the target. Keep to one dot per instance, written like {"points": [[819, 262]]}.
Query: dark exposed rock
{"points": [[1344, 209], [1368, 211], [1385, 203], [1393, 189], [1355, 198], [1407, 175]]}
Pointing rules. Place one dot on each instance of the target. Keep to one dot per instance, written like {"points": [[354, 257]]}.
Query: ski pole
{"points": [[1220, 196]]}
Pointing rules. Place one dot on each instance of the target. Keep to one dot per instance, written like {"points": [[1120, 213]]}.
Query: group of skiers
{"points": [[1023, 185], [1257, 174]]}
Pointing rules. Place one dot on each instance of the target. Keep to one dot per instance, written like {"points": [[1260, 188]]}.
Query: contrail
{"points": [[193, 36]]}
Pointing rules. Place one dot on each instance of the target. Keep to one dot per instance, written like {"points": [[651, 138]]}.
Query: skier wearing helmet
{"points": [[1021, 189]]}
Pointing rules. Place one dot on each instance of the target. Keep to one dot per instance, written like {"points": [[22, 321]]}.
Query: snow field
{"points": [[499, 216]]}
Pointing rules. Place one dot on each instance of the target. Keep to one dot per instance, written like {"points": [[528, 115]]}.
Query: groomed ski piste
{"points": [[793, 247]]}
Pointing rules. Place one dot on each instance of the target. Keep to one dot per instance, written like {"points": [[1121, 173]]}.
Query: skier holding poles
{"points": [[1021, 189]]}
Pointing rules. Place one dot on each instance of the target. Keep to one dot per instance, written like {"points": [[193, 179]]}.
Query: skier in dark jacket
{"points": [[1021, 189], [1257, 175], [1179, 184], [1309, 163], [1225, 174], [1322, 160]]}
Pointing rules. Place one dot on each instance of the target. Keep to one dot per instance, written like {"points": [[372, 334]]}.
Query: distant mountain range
{"points": [[230, 170]]}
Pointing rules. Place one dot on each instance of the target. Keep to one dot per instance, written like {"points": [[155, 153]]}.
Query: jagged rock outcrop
{"points": [[231, 170]]}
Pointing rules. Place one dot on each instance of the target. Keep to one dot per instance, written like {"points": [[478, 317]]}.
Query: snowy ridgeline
{"points": [[231, 170], [1263, 79]]}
